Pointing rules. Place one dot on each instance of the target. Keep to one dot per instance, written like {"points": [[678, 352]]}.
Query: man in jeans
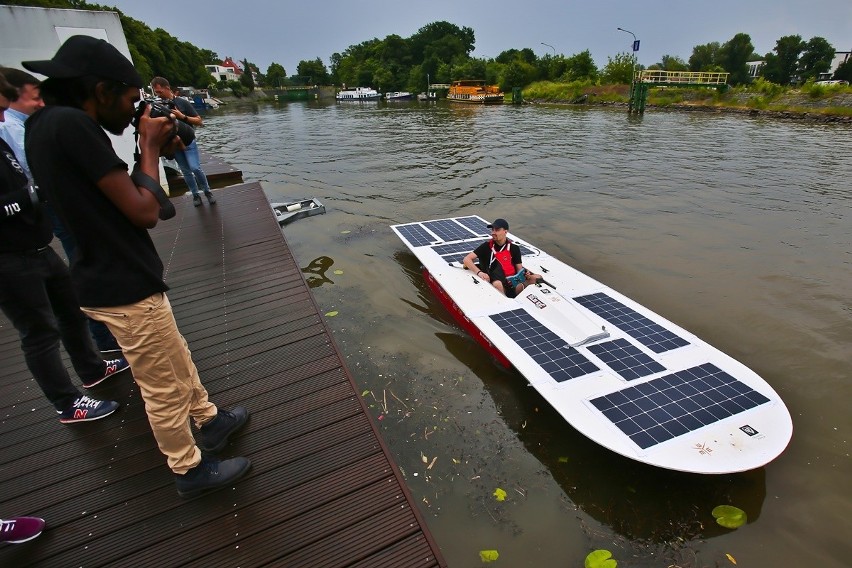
{"points": [[37, 296], [187, 159], [118, 274]]}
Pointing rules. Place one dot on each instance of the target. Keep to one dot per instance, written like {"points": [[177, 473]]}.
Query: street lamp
{"points": [[551, 47], [635, 49]]}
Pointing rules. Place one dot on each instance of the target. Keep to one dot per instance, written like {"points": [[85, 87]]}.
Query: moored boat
{"points": [[398, 96], [475, 92], [430, 96], [621, 374], [289, 211], [358, 94]]}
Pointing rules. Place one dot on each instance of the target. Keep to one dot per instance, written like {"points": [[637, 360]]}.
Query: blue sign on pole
{"points": [[636, 45]]}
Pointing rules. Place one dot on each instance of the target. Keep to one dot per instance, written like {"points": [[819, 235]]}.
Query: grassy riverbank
{"points": [[820, 102]]}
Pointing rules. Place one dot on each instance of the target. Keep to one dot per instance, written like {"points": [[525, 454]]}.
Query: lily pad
{"points": [[600, 559], [499, 494], [729, 516], [488, 555], [338, 272], [331, 314]]}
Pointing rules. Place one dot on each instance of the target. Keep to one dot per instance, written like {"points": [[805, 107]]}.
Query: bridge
{"points": [[656, 77]]}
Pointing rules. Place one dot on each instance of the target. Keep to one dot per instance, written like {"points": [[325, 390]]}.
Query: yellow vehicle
{"points": [[476, 92]]}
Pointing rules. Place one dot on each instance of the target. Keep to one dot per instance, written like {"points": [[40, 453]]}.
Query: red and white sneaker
{"points": [[113, 367]]}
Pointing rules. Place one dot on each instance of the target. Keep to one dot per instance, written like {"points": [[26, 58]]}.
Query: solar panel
{"points": [[449, 230], [673, 405], [652, 335], [475, 224], [416, 234], [626, 359], [560, 360], [450, 248]]}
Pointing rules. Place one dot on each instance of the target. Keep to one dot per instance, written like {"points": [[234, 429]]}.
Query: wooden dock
{"points": [[219, 174], [323, 491]]}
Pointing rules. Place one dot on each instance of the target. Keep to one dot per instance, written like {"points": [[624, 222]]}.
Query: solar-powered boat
{"points": [[621, 374]]}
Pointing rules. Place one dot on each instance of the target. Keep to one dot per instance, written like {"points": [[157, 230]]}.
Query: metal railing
{"points": [[681, 77]]}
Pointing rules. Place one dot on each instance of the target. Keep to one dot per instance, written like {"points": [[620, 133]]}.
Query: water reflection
{"points": [[316, 271]]}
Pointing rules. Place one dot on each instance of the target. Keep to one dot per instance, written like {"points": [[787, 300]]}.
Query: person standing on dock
{"points": [[187, 159], [12, 131], [118, 274], [37, 295]]}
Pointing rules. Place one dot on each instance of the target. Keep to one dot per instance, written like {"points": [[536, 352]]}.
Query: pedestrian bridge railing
{"points": [[682, 78]]}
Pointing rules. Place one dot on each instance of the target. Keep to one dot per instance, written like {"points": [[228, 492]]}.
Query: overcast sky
{"points": [[286, 32]]}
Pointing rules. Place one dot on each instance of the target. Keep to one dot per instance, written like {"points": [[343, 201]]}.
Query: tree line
{"points": [[440, 52]]}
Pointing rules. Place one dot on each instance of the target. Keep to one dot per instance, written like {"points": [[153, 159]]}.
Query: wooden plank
{"points": [[322, 491]]}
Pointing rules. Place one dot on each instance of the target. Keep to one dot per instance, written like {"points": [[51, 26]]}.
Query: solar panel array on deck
{"points": [[675, 404], [449, 230], [415, 234], [626, 359], [652, 335], [552, 353]]}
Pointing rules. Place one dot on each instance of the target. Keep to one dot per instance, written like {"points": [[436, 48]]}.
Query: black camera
{"points": [[164, 108]]}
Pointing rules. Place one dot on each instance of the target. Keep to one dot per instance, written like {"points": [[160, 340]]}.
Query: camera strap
{"points": [[141, 179]]}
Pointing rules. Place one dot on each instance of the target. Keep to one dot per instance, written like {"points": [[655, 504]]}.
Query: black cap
{"points": [[83, 55], [499, 224]]}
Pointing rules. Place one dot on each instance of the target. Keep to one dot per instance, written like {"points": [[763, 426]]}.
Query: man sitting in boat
{"points": [[500, 261]]}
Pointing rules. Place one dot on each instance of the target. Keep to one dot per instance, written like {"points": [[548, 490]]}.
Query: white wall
{"points": [[36, 33]]}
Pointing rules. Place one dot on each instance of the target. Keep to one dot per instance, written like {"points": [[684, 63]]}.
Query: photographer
{"points": [[37, 296], [118, 274], [187, 159]]}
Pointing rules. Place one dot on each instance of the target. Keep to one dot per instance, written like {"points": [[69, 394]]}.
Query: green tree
{"points": [[733, 56], [246, 79], [673, 63], [517, 73], [437, 32], [816, 58], [580, 66], [313, 72], [276, 75], [704, 57], [618, 69], [782, 61]]}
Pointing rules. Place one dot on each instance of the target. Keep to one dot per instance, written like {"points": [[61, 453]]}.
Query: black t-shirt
{"points": [[21, 227], [185, 107], [116, 262], [483, 253]]}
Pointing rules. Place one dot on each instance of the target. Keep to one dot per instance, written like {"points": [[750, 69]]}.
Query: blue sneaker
{"points": [[113, 367], [86, 409]]}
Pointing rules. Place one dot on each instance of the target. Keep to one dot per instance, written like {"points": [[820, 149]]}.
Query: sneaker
{"points": [[113, 367], [86, 409], [210, 199], [196, 200], [211, 473], [214, 434], [20, 529]]}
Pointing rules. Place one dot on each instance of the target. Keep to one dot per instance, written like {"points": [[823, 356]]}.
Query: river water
{"points": [[738, 229]]}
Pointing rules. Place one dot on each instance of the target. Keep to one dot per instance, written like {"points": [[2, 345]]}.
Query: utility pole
{"points": [[634, 91]]}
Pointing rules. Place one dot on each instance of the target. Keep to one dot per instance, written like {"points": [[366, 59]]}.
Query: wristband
{"points": [[141, 179]]}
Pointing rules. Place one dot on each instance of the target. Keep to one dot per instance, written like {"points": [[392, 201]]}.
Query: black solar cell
{"points": [[652, 335], [561, 361], [670, 406]]}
